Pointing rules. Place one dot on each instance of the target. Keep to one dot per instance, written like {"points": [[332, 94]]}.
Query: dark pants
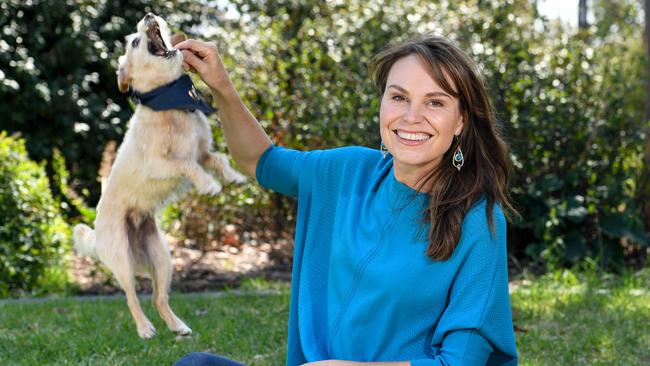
{"points": [[205, 359]]}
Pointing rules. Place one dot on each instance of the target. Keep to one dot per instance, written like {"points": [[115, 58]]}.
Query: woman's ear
{"points": [[459, 129], [123, 75]]}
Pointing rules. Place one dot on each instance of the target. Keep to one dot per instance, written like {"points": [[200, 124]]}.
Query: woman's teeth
{"points": [[413, 136]]}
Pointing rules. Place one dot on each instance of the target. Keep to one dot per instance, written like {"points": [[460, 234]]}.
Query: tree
{"points": [[644, 184], [582, 14]]}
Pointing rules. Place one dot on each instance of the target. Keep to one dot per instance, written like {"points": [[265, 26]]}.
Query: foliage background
{"points": [[570, 102], [33, 236]]}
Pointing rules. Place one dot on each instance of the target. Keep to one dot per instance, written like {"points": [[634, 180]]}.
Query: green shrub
{"points": [[33, 236]]}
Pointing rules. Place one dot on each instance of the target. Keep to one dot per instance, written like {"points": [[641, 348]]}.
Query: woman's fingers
{"points": [[201, 49], [190, 59], [203, 57], [188, 68]]}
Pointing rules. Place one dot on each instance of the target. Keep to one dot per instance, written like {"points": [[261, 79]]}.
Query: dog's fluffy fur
{"points": [[161, 154]]}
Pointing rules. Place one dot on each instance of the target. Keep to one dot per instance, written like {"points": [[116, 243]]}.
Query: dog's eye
{"points": [[135, 42]]}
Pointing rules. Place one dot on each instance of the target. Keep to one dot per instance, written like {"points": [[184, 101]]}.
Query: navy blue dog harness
{"points": [[179, 94]]}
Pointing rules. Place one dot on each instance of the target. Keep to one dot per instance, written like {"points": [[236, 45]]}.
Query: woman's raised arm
{"points": [[245, 137]]}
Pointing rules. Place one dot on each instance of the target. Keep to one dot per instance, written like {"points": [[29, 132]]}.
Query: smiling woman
{"points": [[433, 97], [368, 286]]}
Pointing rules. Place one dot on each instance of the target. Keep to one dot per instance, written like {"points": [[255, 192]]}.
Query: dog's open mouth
{"points": [[154, 38]]}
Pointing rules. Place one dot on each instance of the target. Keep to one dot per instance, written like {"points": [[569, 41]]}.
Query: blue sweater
{"points": [[362, 287]]}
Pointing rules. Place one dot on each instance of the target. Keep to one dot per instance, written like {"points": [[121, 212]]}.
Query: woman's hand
{"points": [[203, 57], [245, 137]]}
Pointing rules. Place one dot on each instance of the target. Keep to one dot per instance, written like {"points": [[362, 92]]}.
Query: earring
{"points": [[457, 160], [383, 149]]}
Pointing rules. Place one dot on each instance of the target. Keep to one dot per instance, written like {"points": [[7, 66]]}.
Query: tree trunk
{"points": [[644, 184], [582, 14]]}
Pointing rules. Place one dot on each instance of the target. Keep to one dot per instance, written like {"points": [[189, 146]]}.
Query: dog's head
{"points": [[149, 60]]}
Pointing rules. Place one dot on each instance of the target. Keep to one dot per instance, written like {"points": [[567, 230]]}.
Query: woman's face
{"points": [[417, 118]]}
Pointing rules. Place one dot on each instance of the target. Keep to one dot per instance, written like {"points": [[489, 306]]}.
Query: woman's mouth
{"points": [[412, 138]]}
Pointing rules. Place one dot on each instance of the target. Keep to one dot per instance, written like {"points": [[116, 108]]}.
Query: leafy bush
{"points": [[33, 236], [572, 107]]}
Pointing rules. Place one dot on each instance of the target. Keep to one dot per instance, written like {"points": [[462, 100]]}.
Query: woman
{"points": [[400, 254]]}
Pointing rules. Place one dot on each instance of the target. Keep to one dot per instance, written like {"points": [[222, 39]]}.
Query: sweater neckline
{"points": [[402, 195]]}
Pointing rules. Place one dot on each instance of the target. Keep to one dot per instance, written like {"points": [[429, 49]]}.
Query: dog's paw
{"points": [[146, 330], [182, 329], [212, 188], [235, 177], [206, 184]]}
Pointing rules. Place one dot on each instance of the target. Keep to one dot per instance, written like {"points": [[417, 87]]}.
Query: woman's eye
{"points": [[135, 42], [435, 103], [397, 98]]}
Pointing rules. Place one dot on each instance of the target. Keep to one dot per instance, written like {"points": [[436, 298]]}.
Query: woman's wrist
{"points": [[224, 93]]}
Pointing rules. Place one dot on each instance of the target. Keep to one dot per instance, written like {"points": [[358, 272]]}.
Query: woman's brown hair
{"points": [[485, 171]]}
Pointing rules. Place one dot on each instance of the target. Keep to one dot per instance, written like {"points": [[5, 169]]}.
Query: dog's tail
{"points": [[84, 240]]}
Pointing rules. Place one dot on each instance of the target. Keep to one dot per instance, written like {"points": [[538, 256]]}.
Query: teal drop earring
{"points": [[457, 160], [383, 149]]}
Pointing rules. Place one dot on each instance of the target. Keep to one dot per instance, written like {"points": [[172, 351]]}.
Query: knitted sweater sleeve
{"points": [[291, 171], [279, 169], [476, 327]]}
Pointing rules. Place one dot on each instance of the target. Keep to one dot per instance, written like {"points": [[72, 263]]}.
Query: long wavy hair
{"points": [[486, 167]]}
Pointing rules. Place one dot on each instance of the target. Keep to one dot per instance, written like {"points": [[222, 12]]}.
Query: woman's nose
{"points": [[413, 114]]}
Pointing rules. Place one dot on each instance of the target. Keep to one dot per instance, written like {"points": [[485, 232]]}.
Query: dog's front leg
{"points": [[204, 182], [219, 163]]}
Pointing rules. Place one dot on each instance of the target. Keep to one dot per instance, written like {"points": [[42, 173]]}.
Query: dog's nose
{"points": [[149, 16]]}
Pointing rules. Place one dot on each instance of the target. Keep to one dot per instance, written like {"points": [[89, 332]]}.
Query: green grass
{"points": [[568, 320], [247, 326], [583, 319]]}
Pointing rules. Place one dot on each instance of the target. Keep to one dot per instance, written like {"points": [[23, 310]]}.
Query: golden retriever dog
{"points": [[162, 153]]}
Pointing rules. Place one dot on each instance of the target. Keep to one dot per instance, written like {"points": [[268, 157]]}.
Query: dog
{"points": [[163, 151]]}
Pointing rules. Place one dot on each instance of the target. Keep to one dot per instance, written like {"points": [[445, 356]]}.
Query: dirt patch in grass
{"points": [[215, 266]]}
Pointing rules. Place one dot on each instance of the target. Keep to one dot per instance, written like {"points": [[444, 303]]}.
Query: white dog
{"points": [[162, 151]]}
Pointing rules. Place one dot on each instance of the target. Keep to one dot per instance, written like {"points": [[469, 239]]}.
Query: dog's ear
{"points": [[123, 75], [177, 38]]}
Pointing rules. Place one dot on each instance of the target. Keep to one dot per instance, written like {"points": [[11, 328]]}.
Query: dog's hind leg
{"points": [[161, 274], [114, 251], [126, 279]]}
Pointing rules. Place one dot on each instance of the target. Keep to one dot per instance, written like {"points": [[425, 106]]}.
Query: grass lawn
{"points": [[245, 325], [566, 320], [583, 320]]}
